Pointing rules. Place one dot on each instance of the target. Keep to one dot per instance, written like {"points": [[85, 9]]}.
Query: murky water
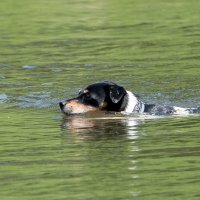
{"points": [[51, 49]]}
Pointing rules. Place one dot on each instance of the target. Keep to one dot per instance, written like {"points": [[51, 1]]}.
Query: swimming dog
{"points": [[108, 96]]}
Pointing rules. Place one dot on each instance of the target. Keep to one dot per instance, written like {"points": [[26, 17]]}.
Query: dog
{"points": [[108, 96]]}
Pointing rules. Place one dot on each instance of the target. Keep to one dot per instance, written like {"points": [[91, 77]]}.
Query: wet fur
{"points": [[108, 96]]}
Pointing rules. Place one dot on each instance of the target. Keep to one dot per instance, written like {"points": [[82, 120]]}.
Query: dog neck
{"points": [[134, 105]]}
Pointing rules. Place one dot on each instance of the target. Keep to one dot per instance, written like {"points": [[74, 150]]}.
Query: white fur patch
{"points": [[181, 111], [132, 102]]}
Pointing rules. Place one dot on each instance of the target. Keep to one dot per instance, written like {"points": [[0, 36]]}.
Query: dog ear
{"points": [[116, 93]]}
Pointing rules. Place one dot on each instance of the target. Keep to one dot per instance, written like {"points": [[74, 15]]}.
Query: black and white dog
{"points": [[108, 96]]}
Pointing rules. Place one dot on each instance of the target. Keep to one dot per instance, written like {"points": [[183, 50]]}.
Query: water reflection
{"points": [[107, 147], [101, 125]]}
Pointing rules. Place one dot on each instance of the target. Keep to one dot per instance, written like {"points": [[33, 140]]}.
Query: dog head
{"points": [[101, 96]]}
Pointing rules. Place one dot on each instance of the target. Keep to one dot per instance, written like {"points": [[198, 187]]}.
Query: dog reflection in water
{"points": [[101, 126], [78, 123]]}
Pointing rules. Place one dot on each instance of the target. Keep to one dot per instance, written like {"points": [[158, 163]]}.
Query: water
{"points": [[51, 49]]}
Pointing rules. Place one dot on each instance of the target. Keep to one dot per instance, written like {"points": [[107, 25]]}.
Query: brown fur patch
{"points": [[104, 104], [75, 107]]}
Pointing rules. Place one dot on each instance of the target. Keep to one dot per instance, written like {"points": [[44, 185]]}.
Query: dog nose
{"points": [[61, 104]]}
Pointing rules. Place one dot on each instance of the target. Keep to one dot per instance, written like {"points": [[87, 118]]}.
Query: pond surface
{"points": [[51, 49]]}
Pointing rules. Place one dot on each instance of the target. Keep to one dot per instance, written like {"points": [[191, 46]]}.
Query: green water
{"points": [[51, 49]]}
